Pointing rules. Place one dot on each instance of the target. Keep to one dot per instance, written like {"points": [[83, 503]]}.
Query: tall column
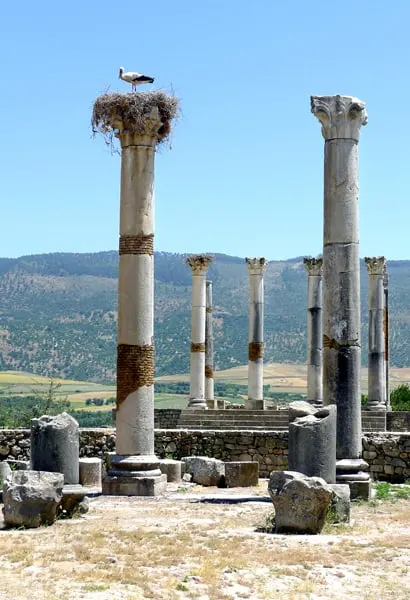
{"points": [[341, 118], [314, 331], [376, 361], [386, 336], [199, 264], [134, 469], [209, 350], [256, 268]]}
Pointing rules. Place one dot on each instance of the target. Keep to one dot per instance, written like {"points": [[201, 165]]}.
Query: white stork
{"points": [[134, 78]]}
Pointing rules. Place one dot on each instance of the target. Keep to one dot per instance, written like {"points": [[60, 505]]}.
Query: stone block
{"points": [[241, 474], [172, 469], [360, 490], [301, 503], [127, 485], [31, 498], [204, 470], [339, 508], [90, 472]]}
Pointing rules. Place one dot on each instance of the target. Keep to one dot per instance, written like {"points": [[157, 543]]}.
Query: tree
{"points": [[400, 397]]}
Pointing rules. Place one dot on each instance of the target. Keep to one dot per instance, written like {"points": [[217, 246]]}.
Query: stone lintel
{"points": [[256, 266], [199, 263], [376, 265], [341, 117], [314, 266]]}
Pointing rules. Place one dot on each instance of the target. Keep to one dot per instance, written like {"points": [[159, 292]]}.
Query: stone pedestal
{"points": [[341, 118], [255, 400], [376, 360], [209, 350], [140, 121], [55, 446], [199, 264], [314, 331], [312, 444]]}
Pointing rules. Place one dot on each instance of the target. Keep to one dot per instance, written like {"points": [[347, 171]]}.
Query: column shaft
{"points": [[209, 350], [376, 351], [256, 267], [314, 331]]}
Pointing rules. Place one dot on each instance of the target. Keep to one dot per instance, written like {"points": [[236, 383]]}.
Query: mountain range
{"points": [[58, 313]]}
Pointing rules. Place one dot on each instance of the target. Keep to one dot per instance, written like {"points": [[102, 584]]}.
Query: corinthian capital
{"points": [[341, 116], [199, 263], [376, 265], [314, 266], [256, 266]]}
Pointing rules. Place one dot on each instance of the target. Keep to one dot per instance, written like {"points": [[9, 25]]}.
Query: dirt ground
{"points": [[203, 544]]}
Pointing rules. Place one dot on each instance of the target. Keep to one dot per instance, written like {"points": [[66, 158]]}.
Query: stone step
{"points": [[262, 419], [225, 428]]}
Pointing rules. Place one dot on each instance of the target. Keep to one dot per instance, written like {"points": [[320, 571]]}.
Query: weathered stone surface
{"points": [[312, 442], [31, 498], [204, 470], [74, 501], [339, 508], [172, 469], [90, 472], [300, 408], [241, 474], [55, 446], [301, 503], [5, 472]]}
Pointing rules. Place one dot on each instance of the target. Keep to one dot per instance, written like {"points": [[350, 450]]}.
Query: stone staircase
{"points": [[257, 420]]}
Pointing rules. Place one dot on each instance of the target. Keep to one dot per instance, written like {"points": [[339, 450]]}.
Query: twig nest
{"points": [[143, 113]]}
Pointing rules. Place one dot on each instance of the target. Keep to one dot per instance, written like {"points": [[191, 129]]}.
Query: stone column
{"points": [[256, 268], [209, 350], [199, 264], [140, 121], [314, 331], [386, 336], [376, 357], [341, 118]]}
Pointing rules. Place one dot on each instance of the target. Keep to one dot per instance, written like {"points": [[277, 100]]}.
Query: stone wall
{"points": [[388, 454], [398, 420], [167, 418]]}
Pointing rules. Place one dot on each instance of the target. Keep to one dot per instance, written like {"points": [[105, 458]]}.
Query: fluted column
{"points": [[376, 351], [314, 331], [199, 264], [138, 122], [341, 118], [256, 268], [209, 350]]}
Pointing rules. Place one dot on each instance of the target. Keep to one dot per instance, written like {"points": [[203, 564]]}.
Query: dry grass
{"points": [[179, 548]]}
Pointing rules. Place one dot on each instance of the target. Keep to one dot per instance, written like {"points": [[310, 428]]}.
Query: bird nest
{"points": [[114, 113]]}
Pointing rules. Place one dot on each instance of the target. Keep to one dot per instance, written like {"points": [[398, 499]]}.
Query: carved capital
{"points": [[199, 263], [256, 266], [314, 266], [341, 116], [376, 265]]}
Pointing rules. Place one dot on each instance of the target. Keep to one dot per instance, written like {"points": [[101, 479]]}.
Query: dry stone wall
{"points": [[388, 454]]}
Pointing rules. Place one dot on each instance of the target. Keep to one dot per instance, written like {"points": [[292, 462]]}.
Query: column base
{"points": [[212, 403], [351, 471], [133, 476], [376, 406], [316, 403], [197, 404], [254, 404]]}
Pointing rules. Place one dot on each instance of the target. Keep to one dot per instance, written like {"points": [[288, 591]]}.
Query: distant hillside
{"points": [[58, 313]]}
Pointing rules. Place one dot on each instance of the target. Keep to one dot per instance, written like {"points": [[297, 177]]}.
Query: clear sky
{"points": [[245, 172]]}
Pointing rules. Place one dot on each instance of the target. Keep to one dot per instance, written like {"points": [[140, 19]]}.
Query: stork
{"points": [[134, 78]]}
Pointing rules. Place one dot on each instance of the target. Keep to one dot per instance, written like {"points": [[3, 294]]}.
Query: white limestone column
{"points": [[376, 351], [386, 336], [314, 331], [256, 269], [199, 264], [341, 118], [134, 469], [209, 350]]}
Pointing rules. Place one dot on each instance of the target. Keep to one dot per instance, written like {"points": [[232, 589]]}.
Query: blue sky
{"points": [[245, 172]]}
